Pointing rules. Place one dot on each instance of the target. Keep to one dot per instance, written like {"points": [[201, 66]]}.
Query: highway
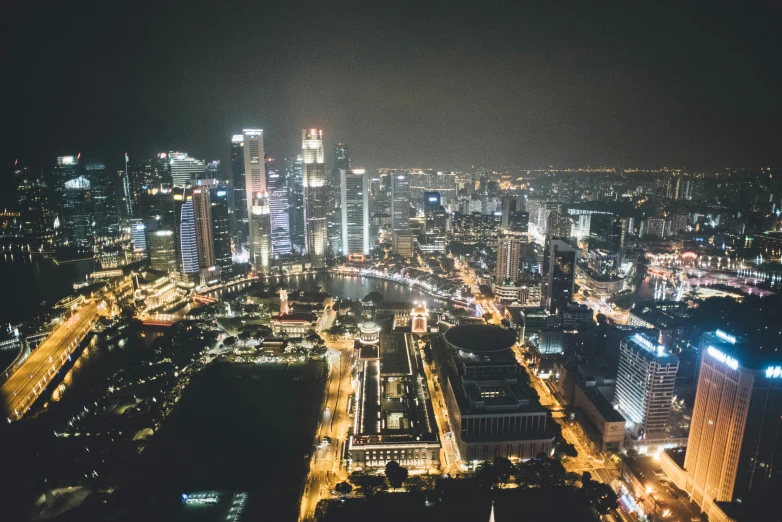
{"points": [[23, 387], [325, 460]]}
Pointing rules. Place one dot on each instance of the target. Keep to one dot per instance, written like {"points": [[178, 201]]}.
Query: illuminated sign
{"points": [[774, 372], [432, 199], [221, 193], [140, 226], [725, 337], [721, 357], [649, 345]]}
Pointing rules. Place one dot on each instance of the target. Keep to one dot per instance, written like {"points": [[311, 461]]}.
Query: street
{"points": [[325, 469], [23, 387]]}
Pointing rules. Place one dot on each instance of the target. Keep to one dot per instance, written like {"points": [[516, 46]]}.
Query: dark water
{"points": [[26, 282], [354, 287]]}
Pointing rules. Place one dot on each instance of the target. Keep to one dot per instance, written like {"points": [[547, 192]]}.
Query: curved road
{"points": [[22, 388]]}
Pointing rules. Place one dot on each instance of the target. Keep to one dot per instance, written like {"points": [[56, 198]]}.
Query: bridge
{"points": [[161, 319], [215, 293], [27, 383]]}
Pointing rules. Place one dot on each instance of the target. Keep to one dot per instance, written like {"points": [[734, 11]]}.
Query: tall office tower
{"points": [[296, 204], [122, 194], [221, 229], [644, 385], [260, 232], [76, 211], [161, 171], [161, 250], [519, 222], [508, 208], [278, 212], [138, 231], [241, 221], [212, 170], [558, 224], [419, 183], [202, 214], [36, 217], [559, 271], [65, 169], [354, 203], [445, 184], [188, 247], [508, 258], [314, 195], [102, 195], [605, 233], [334, 212], [259, 237], [342, 157], [734, 450], [184, 169], [400, 214]]}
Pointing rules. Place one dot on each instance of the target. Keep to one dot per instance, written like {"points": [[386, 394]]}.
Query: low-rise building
{"points": [[603, 426], [292, 325]]}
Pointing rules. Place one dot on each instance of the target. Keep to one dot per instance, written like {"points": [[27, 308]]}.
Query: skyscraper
{"points": [[644, 385], [314, 194], [241, 225], [202, 213], [354, 203], [139, 234], [334, 212], [400, 214], [184, 169], [257, 198], [733, 450], [221, 231], [161, 249], [278, 211], [102, 196], [188, 241], [296, 205], [559, 271], [558, 224], [605, 233], [508, 258], [36, 217]]}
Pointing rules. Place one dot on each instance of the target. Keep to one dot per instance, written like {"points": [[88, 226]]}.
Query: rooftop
{"points": [[480, 338]]}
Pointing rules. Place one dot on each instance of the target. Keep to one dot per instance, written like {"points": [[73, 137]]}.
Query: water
{"points": [[27, 282], [354, 287]]}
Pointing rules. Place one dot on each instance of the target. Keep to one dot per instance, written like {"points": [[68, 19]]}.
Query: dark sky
{"points": [[440, 84]]}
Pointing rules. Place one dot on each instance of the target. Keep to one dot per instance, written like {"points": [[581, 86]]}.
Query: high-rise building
{"points": [[241, 225], [188, 240], [605, 233], [36, 217], [558, 224], [123, 195], [202, 213], [509, 204], [76, 211], [221, 230], [334, 212], [296, 205], [734, 448], [184, 169], [259, 239], [400, 214], [419, 183], [519, 222], [314, 195], [102, 195], [559, 270], [161, 249], [508, 258], [139, 234], [278, 212], [644, 385], [354, 203]]}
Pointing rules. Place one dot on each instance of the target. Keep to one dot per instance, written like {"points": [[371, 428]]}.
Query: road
{"points": [[326, 460], [23, 387], [450, 461]]}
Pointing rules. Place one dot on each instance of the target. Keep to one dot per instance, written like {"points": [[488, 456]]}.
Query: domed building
{"points": [[369, 332]]}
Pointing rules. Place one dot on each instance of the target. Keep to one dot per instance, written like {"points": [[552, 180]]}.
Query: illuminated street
{"points": [[26, 383], [325, 461]]}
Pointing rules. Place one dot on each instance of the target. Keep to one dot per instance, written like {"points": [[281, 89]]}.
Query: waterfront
{"points": [[33, 280]]}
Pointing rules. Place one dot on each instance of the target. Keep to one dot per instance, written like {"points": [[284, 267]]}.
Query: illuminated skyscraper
{"points": [[644, 385], [36, 219], [734, 450], [188, 241], [241, 221], [400, 213], [162, 252], [296, 204], [221, 231], [354, 203], [559, 271], [259, 238], [314, 194], [508, 258], [184, 169], [202, 213], [278, 211]]}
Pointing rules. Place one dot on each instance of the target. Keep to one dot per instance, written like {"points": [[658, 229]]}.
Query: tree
{"points": [[571, 477], [244, 337], [396, 474], [264, 331], [229, 341], [313, 337], [486, 475], [487, 316], [567, 450], [505, 323], [343, 488], [504, 468], [600, 495], [373, 297], [540, 472], [368, 483]]}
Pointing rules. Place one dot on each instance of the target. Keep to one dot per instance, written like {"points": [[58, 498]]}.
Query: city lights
{"points": [[717, 354]]}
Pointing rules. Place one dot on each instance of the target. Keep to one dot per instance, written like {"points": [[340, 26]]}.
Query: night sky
{"points": [[445, 85]]}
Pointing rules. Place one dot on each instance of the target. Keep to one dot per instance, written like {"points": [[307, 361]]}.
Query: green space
{"points": [[240, 428]]}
